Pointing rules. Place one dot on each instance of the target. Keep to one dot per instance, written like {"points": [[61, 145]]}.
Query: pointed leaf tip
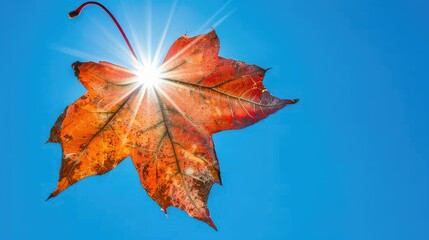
{"points": [[50, 196], [291, 101], [164, 210], [210, 222]]}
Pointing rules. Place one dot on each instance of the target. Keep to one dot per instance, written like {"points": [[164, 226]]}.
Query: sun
{"points": [[149, 75]]}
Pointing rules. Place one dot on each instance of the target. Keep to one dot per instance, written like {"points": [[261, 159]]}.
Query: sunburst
{"points": [[148, 70]]}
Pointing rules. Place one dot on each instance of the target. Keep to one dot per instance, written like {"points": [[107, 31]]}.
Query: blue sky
{"points": [[350, 161]]}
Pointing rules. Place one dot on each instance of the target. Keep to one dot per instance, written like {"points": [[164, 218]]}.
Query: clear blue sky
{"points": [[350, 161]]}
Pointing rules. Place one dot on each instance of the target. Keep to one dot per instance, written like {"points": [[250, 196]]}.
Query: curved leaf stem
{"points": [[76, 13]]}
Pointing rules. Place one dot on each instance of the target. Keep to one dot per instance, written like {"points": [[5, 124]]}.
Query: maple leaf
{"points": [[166, 126]]}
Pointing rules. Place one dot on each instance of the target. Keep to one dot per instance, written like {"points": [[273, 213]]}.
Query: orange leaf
{"points": [[166, 129]]}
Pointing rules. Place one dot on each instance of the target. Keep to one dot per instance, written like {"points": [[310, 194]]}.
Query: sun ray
{"points": [[123, 96], [140, 97], [119, 50], [185, 116], [179, 53], [218, 22], [157, 56], [149, 31], [206, 23], [75, 53], [134, 35]]}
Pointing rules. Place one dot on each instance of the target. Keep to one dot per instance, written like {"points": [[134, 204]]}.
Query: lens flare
{"points": [[150, 72], [149, 75]]}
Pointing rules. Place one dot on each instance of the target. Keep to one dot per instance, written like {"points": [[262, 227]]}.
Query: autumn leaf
{"points": [[164, 121]]}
